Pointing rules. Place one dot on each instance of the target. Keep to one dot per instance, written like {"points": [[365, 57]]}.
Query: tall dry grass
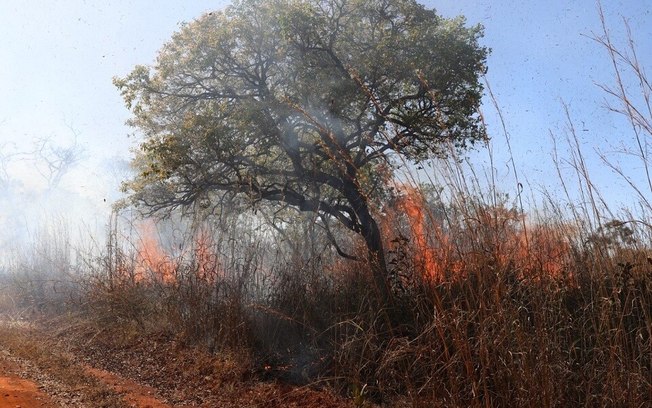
{"points": [[490, 307], [493, 305]]}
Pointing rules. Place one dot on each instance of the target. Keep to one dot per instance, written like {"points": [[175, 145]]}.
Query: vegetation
{"points": [[309, 104], [490, 304]]}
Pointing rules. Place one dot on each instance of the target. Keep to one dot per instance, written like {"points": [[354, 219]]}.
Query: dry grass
{"points": [[561, 318], [491, 306]]}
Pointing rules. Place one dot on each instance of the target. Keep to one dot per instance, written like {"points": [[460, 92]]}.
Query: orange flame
{"points": [[425, 257], [531, 251], [432, 250], [152, 261], [547, 251]]}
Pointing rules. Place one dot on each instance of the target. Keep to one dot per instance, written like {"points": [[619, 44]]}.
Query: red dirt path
{"points": [[17, 392], [135, 395]]}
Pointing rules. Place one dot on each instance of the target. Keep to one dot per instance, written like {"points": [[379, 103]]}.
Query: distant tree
{"points": [[307, 103], [54, 161]]}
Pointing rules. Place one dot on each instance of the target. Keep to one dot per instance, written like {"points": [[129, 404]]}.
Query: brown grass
{"points": [[491, 307]]}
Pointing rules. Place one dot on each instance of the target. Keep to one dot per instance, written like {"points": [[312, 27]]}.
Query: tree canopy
{"points": [[307, 103]]}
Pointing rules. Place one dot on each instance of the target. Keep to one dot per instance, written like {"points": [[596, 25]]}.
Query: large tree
{"points": [[310, 104]]}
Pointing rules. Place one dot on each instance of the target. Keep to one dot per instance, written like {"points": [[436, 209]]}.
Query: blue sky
{"points": [[543, 56], [58, 58]]}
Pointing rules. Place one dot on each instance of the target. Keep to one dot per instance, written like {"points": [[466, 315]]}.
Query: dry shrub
{"points": [[525, 315], [489, 308]]}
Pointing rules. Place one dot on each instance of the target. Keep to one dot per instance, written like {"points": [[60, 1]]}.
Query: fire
{"points": [[152, 262], [496, 234], [547, 251], [425, 257], [431, 260]]}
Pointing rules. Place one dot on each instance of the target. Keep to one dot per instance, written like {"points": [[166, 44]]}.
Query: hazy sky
{"points": [[543, 55], [58, 57]]}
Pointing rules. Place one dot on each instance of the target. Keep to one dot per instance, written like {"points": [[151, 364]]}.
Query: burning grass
{"points": [[490, 305], [489, 309]]}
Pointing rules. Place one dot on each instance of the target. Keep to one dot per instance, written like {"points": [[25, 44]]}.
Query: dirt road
{"points": [[18, 392], [135, 395], [54, 368]]}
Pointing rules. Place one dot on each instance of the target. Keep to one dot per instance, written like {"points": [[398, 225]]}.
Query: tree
{"points": [[310, 104], [53, 161]]}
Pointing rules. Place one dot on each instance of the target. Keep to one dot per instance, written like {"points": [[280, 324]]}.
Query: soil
{"points": [[43, 367], [36, 371], [136, 395], [18, 392]]}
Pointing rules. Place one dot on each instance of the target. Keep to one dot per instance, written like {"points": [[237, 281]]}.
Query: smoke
{"points": [[51, 182]]}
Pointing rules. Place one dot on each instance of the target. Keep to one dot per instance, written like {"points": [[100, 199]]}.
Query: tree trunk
{"points": [[375, 250], [368, 228], [376, 256]]}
